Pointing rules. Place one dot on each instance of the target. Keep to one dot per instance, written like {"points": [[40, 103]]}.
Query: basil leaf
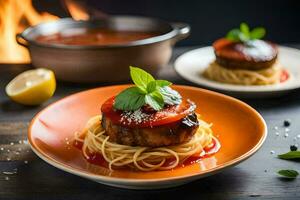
{"points": [[245, 29], [233, 35], [170, 96], [243, 37], [292, 155], [243, 34], [288, 173], [140, 78], [151, 87], [162, 83], [155, 100], [257, 33], [129, 99], [147, 90]]}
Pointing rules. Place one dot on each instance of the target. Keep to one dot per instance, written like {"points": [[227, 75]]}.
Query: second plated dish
{"points": [[192, 65], [242, 64]]}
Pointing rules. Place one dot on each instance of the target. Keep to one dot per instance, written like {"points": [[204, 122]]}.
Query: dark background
{"points": [[209, 19]]}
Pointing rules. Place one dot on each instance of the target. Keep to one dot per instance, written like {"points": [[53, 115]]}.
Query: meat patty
{"points": [[253, 55], [165, 135]]}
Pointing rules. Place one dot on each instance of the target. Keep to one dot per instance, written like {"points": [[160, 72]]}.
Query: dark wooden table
{"points": [[24, 176]]}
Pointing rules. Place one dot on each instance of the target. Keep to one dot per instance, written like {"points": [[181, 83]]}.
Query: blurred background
{"points": [[209, 19]]}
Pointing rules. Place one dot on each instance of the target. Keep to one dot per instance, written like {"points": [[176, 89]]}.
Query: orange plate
{"points": [[239, 128]]}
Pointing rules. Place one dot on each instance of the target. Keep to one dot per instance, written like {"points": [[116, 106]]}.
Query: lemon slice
{"points": [[32, 87]]}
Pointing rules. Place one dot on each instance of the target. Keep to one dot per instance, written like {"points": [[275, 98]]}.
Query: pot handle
{"points": [[21, 40], [183, 30]]}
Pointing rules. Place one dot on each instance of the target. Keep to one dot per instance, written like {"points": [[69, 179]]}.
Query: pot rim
{"points": [[176, 30]]}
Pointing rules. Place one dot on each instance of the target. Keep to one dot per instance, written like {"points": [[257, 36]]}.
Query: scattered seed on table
{"points": [[286, 129], [276, 127], [12, 143], [272, 152], [286, 135], [26, 161], [293, 148], [277, 133], [287, 122], [254, 195], [6, 178]]}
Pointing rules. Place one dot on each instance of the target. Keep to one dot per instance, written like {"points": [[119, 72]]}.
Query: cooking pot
{"points": [[103, 63]]}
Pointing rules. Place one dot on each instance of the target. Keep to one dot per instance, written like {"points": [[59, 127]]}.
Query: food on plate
{"points": [[96, 36], [32, 87], [242, 58], [146, 127]]}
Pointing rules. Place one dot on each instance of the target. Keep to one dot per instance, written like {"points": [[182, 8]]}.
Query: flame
{"points": [[14, 16], [77, 10]]}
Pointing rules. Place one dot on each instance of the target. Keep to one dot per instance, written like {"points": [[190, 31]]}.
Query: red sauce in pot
{"points": [[94, 37]]}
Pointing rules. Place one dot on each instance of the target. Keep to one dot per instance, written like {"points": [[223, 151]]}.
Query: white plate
{"points": [[190, 66]]}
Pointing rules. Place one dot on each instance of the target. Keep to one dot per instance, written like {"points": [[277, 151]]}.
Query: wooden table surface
{"points": [[24, 176]]}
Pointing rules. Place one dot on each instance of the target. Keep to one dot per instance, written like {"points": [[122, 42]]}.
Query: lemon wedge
{"points": [[32, 87]]}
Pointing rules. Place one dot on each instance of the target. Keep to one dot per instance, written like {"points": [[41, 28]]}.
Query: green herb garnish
{"points": [[292, 155], [288, 173], [243, 34], [147, 91]]}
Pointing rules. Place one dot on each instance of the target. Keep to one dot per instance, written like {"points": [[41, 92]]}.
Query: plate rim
{"points": [[118, 180], [232, 87]]}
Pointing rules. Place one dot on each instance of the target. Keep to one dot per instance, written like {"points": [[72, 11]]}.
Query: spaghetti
{"points": [[142, 158], [271, 75]]}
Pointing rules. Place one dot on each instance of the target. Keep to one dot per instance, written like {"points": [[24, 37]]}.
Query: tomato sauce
{"points": [[99, 36], [284, 76], [256, 51], [209, 151], [97, 159], [141, 119]]}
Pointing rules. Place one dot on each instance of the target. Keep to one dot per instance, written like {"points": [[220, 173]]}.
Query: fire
{"points": [[15, 16], [77, 10]]}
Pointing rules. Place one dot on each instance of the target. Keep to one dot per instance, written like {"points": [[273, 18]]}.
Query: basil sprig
{"points": [[288, 173], [147, 91], [244, 34]]}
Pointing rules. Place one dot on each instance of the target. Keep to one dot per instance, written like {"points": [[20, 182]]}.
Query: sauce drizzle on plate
{"points": [[97, 159]]}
